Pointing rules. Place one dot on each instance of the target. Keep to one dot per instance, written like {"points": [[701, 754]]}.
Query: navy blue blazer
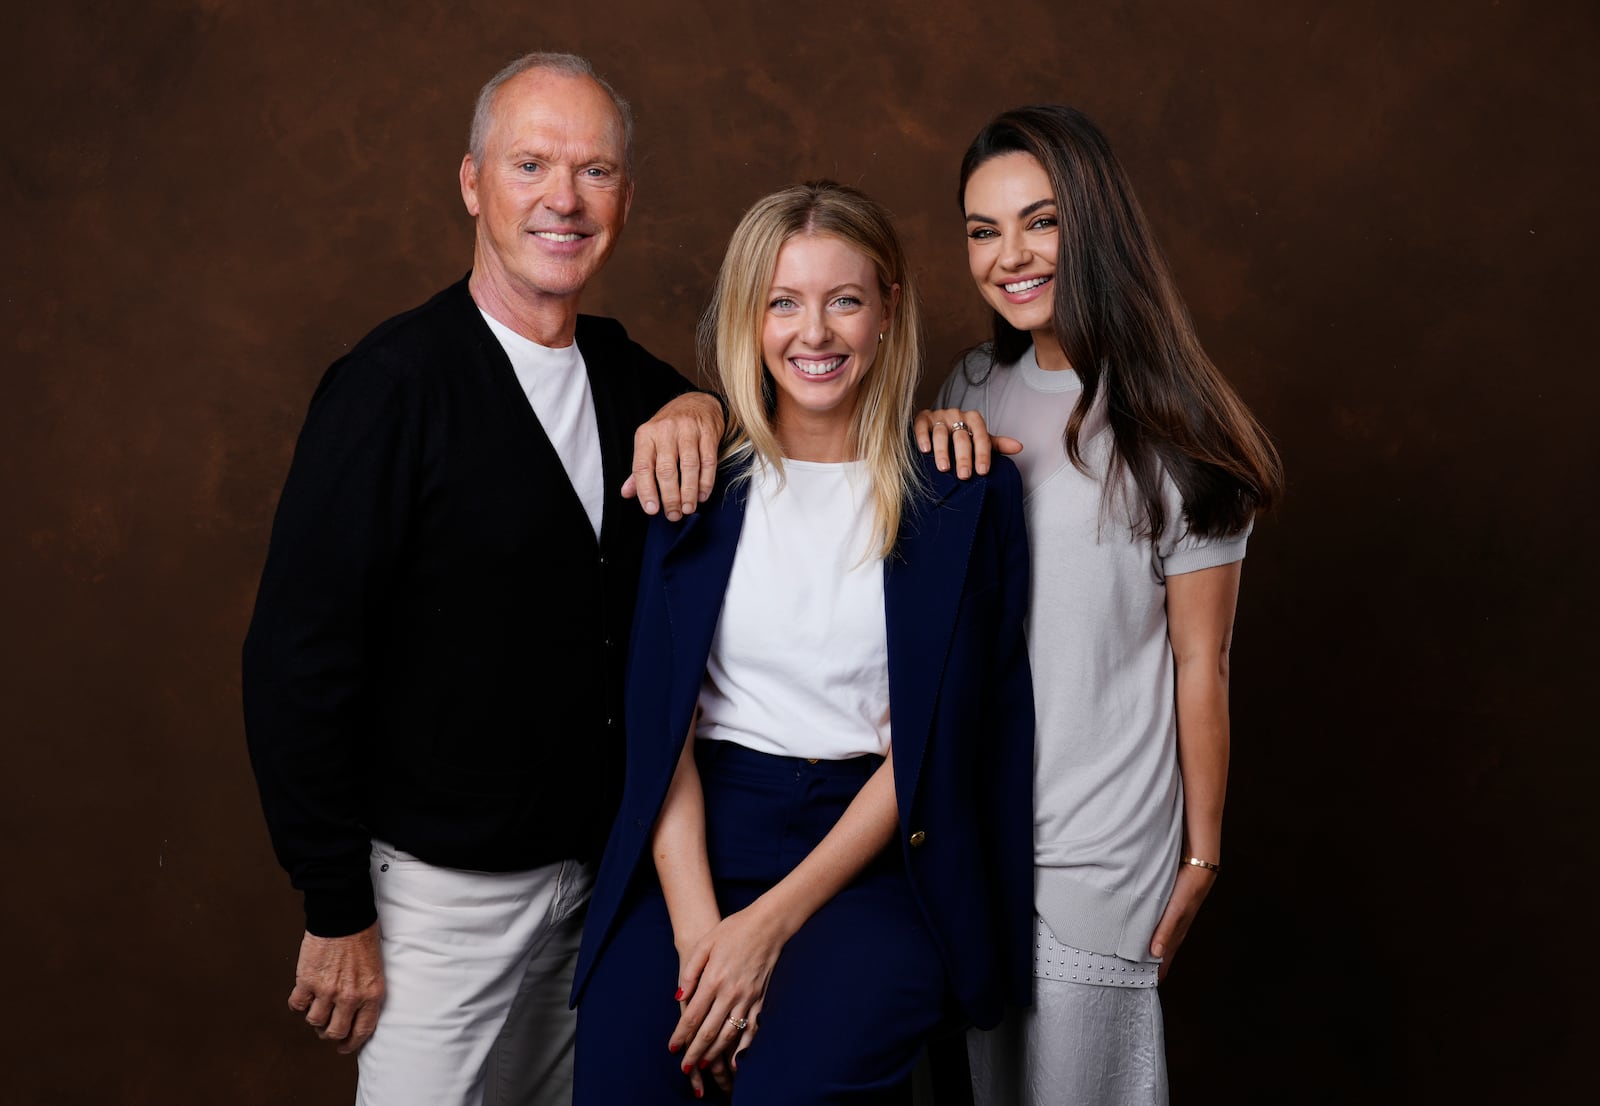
{"points": [[960, 706]]}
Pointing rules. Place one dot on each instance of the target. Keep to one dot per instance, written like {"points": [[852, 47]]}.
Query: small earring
{"points": [[880, 336]]}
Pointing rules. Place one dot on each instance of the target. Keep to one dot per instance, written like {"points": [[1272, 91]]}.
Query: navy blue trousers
{"points": [[855, 993]]}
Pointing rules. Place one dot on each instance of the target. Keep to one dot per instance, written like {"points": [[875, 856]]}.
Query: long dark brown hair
{"points": [[1124, 328]]}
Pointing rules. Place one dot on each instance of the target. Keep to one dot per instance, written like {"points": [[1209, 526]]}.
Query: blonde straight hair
{"points": [[730, 341]]}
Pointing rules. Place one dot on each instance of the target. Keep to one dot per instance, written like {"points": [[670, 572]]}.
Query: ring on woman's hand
{"points": [[738, 1023], [959, 425]]}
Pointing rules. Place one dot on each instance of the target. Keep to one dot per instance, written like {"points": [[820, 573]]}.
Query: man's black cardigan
{"points": [[436, 654]]}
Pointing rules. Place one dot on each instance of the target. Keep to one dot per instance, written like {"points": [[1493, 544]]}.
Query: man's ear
{"points": [[469, 185]]}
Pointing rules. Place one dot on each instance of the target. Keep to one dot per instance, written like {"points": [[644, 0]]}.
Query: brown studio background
{"points": [[1382, 216]]}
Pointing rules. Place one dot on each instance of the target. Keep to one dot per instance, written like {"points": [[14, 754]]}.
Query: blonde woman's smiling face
{"points": [[820, 334]]}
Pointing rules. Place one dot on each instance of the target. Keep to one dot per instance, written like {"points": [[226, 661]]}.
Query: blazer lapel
{"points": [[922, 588], [694, 580]]}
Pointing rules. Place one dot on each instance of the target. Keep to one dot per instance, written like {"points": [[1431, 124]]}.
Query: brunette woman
{"points": [[1143, 471]]}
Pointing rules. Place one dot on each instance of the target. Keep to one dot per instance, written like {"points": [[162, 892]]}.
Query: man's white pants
{"points": [[477, 969]]}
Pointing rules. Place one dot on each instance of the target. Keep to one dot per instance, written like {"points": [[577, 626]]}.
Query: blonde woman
{"points": [[823, 852]]}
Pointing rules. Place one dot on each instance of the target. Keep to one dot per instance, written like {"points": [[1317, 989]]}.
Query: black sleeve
{"points": [[651, 382], [307, 655], [664, 384], [661, 382]]}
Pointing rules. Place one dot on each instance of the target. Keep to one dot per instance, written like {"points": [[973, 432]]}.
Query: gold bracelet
{"points": [[1206, 864]]}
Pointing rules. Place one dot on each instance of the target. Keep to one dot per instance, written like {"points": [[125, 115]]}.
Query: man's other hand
{"points": [[338, 986]]}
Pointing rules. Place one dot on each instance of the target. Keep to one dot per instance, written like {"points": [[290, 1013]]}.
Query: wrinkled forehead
{"points": [[553, 113]]}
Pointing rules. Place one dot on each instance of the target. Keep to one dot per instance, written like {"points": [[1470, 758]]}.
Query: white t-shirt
{"points": [[800, 662], [556, 383]]}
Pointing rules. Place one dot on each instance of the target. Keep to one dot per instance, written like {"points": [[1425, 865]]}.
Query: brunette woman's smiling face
{"points": [[1013, 238]]}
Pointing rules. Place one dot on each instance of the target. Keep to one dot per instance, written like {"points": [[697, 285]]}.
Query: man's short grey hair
{"points": [[570, 64]]}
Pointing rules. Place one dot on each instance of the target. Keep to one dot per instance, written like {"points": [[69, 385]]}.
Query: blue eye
{"points": [[782, 303], [848, 301]]}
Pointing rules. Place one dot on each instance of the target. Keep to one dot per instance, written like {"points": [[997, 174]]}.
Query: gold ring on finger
{"points": [[739, 1023], [959, 426]]}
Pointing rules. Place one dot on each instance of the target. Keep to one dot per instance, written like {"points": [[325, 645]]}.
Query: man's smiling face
{"points": [[552, 192]]}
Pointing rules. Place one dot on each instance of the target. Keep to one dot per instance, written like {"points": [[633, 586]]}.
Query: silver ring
{"points": [[959, 425], [738, 1023]]}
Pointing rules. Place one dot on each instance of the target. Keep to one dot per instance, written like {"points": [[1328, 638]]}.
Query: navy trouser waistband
{"points": [[764, 813], [731, 754]]}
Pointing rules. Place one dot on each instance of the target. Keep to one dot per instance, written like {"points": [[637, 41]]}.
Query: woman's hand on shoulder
{"points": [[723, 983], [959, 437]]}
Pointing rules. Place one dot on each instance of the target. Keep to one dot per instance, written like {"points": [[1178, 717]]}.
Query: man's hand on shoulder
{"points": [[338, 986], [675, 456]]}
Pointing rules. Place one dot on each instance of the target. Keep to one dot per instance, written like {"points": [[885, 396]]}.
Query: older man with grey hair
{"points": [[433, 674]]}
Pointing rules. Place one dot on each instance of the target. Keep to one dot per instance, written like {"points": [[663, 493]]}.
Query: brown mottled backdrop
{"points": [[1382, 215]]}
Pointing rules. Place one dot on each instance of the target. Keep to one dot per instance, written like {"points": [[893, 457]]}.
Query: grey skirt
{"points": [[1093, 1035]]}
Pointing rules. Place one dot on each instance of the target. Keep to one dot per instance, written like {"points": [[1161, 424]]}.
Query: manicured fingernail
{"points": [[649, 506], [688, 505], [704, 1064], [674, 1047], [673, 516], [699, 1093], [687, 1068], [679, 996]]}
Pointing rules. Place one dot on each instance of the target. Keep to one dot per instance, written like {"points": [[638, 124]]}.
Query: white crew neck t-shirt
{"points": [[556, 383], [799, 665]]}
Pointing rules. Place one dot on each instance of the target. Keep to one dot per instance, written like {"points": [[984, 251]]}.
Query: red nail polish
{"points": [[698, 1093], [679, 996], [687, 1068], [704, 1064], [673, 1047]]}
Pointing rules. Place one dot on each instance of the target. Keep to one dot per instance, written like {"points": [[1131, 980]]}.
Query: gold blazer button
{"points": [[917, 838]]}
